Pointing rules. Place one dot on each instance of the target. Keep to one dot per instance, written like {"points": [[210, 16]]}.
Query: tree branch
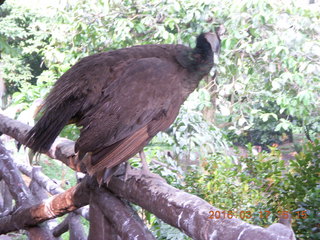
{"points": [[182, 210], [22, 195], [100, 227], [125, 221], [50, 208], [49, 185], [13, 179], [73, 224]]}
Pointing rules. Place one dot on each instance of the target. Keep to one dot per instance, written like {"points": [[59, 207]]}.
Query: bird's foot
{"points": [[143, 172], [130, 172]]}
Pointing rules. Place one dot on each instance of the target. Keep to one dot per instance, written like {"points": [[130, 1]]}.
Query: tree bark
{"points": [[49, 185], [182, 210], [62, 227], [10, 174], [41, 194], [100, 227], [50, 208], [125, 221], [75, 228], [185, 211], [22, 195], [5, 199]]}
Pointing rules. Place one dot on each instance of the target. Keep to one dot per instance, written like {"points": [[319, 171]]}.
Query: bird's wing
{"points": [[144, 100]]}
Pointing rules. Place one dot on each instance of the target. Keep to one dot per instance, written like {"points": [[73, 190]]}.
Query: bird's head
{"points": [[208, 43], [201, 58]]}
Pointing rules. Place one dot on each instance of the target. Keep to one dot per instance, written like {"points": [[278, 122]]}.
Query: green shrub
{"points": [[264, 185]]}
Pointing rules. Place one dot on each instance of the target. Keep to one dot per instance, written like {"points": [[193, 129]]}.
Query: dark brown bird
{"points": [[122, 98]]}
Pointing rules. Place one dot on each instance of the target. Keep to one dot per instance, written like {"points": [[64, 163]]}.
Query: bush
{"points": [[264, 185]]}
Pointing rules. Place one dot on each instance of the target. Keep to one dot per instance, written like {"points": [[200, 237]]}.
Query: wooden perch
{"points": [[180, 209], [123, 219], [10, 174], [100, 227], [62, 227], [185, 211], [40, 194], [48, 184], [5, 199], [22, 195], [72, 223], [50, 208]]}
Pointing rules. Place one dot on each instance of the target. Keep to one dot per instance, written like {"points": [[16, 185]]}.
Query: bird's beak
{"points": [[214, 40]]}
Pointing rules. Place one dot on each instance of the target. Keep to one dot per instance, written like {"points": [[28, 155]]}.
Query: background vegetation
{"points": [[234, 140]]}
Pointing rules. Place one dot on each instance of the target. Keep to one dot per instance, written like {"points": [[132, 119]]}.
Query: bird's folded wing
{"points": [[128, 147], [118, 152]]}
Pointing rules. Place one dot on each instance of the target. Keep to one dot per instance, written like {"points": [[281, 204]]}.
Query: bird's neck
{"points": [[203, 53], [196, 59], [198, 62]]}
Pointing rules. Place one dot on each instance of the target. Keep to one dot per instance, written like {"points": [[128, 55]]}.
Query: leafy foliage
{"points": [[21, 38], [263, 183], [269, 68]]}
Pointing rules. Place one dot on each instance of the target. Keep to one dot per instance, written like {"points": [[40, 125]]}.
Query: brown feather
{"points": [[114, 154]]}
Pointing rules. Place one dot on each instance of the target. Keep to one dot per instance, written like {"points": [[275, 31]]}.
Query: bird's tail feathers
{"points": [[51, 123]]}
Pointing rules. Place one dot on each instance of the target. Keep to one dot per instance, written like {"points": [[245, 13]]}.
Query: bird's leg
{"points": [[130, 172], [144, 169]]}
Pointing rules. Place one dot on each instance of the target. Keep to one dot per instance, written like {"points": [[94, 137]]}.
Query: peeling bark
{"points": [[50, 186], [40, 194], [50, 208]]}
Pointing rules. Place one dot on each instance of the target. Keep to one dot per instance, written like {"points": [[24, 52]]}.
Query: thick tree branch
{"points": [[50, 208], [75, 228], [182, 210], [5, 199], [13, 179], [125, 221], [21, 194], [49, 185], [62, 227], [72, 223], [40, 194], [100, 227], [185, 211]]}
